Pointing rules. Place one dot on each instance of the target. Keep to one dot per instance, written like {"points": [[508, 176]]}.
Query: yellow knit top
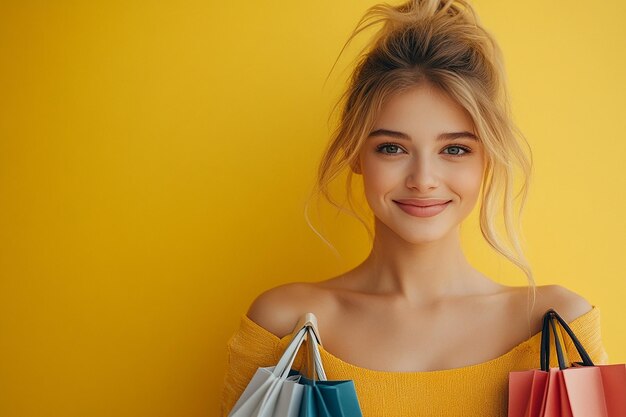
{"points": [[474, 390]]}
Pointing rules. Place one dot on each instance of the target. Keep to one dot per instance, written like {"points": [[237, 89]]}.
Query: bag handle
{"points": [[545, 343], [309, 319], [314, 359], [549, 318], [317, 359], [286, 361], [579, 347], [305, 330], [314, 363], [559, 349], [313, 339]]}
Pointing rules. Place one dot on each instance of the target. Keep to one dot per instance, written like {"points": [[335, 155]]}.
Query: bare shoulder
{"points": [[278, 309], [569, 304]]}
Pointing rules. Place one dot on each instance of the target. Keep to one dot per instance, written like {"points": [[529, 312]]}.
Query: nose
{"points": [[422, 175]]}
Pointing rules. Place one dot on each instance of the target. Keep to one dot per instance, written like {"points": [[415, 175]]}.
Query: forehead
{"points": [[423, 110]]}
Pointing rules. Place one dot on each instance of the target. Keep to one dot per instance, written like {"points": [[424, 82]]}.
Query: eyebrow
{"points": [[442, 136]]}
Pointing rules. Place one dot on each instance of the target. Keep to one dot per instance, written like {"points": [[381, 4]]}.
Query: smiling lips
{"points": [[422, 207]]}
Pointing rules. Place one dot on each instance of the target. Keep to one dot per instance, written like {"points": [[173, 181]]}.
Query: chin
{"points": [[422, 235], [422, 238]]}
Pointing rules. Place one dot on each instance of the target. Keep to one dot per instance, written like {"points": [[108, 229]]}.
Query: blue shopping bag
{"points": [[329, 399], [321, 397]]}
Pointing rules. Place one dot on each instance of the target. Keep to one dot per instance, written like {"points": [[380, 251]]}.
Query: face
{"points": [[422, 146]]}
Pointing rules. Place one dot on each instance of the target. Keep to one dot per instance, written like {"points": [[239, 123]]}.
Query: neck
{"points": [[421, 273]]}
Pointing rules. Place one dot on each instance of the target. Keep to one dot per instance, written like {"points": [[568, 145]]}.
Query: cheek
{"points": [[469, 181], [380, 177]]}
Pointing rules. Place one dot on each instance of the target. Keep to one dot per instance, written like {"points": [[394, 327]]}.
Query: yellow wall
{"points": [[155, 158]]}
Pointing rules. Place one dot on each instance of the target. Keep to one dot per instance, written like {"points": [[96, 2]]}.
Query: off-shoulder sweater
{"points": [[475, 390]]}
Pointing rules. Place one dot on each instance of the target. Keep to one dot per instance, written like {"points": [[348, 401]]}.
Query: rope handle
{"points": [[549, 322]]}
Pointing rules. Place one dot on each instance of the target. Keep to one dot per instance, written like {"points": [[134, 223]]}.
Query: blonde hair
{"points": [[443, 43]]}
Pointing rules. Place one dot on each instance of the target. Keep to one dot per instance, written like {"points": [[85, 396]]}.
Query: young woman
{"points": [[425, 123]]}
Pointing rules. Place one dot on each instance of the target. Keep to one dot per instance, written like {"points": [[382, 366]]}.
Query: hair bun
{"points": [[415, 10]]}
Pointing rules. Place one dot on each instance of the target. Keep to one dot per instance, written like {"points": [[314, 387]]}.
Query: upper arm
{"points": [[566, 302], [570, 306], [278, 309]]}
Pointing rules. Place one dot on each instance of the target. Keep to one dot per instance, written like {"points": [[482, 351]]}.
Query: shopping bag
{"points": [[324, 398], [279, 391], [581, 390], [526, 393], [329, 399], [274, 391]]}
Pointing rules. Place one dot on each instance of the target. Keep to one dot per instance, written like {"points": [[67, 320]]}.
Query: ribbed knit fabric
{"points": [[475, 390]]}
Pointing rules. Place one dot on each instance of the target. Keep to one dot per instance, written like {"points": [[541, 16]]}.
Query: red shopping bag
{"points": [[581, 390]]}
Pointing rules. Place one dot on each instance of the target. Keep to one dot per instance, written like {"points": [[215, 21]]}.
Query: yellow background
{"points": [[155, 158]]}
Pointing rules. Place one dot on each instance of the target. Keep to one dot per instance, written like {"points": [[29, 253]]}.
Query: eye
{"points": [[390, 146], [458, 150]]}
